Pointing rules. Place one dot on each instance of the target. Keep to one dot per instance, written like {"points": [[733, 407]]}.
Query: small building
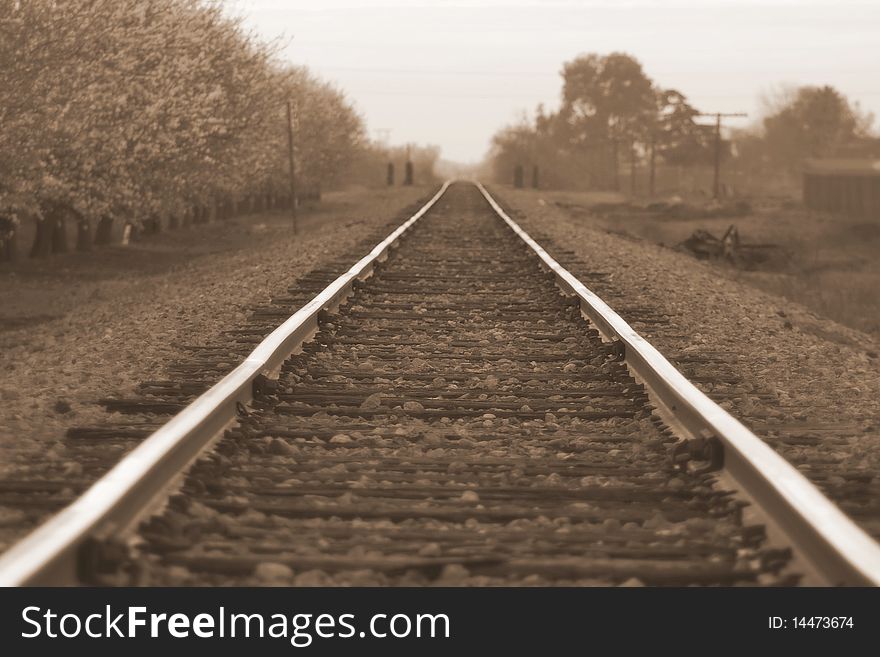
{"points": [[845, 186]]}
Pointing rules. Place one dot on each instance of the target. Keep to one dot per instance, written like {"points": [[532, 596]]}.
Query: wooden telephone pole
{"points": [[716, 187], [408, 168], [292, 170]]}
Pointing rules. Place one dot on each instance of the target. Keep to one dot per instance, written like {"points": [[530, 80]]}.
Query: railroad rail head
{"points": [[50, 555], [836, 550], [831, 545]]}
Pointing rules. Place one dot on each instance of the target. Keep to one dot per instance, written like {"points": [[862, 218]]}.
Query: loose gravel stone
{"points": [[280, 447], [470, 497], [124, 320], [372, 402], [270, 572], [465, 488], [805, 384]]}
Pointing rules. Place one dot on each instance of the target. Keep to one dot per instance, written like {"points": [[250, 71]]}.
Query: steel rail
{"points": [[50, 554], [831, 543], [835, 548]]}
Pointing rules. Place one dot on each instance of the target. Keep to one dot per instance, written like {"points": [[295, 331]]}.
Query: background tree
{"points": [[513, 146], [608, 107], [679, 139], [607, 100], [149, 111], [372, 158], [812, 122]]}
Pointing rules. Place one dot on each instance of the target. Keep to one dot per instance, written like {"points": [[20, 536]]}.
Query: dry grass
{"points": [[830, 264]]}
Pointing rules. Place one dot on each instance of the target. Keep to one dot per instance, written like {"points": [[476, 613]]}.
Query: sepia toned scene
{"points": [[439, 294]]}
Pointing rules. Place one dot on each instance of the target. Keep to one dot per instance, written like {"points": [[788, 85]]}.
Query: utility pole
{"points": [[716, 187], [518, 176], [408, 170], [292, 170], [632, 168]]}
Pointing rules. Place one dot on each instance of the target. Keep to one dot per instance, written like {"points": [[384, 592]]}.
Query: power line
{"points": [[718, 116], [409, 71], [370, 92]]}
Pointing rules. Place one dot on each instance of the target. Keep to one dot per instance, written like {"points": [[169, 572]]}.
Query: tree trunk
{"points": [[83, 234], [104, 231], [615, 166], [8, 240], [152, 225], [42, 245], [59, 230], [11, 246], [173, 222], [632, 169]]}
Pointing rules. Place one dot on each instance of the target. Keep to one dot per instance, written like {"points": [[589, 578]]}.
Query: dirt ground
{"points": [[78, 327], [827, 263], [35, 291]]}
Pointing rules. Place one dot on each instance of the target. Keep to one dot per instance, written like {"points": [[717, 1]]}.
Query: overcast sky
{"points": [[452, 72]]}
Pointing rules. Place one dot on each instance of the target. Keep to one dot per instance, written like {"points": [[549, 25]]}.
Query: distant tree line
{"points": [[612, 118], [611, 113], [802, 123], [370, 166], [152, 113]]}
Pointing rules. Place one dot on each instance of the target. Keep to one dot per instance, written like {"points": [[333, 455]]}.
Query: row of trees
{"points": [[612, 115], [611, 112], [150, 111], [801, 123], [370, 167]]}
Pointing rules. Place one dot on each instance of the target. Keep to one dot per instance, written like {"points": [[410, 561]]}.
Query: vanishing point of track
{"points": [[457, 420]]}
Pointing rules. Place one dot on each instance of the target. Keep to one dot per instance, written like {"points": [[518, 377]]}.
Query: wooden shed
{"points": [[850, 187]]}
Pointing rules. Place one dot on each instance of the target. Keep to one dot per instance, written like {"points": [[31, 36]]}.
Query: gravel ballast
{"points": [[807, 385], [118, 328]]}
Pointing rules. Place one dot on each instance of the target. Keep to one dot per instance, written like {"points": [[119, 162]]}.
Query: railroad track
{"points": [[448, 415]]}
